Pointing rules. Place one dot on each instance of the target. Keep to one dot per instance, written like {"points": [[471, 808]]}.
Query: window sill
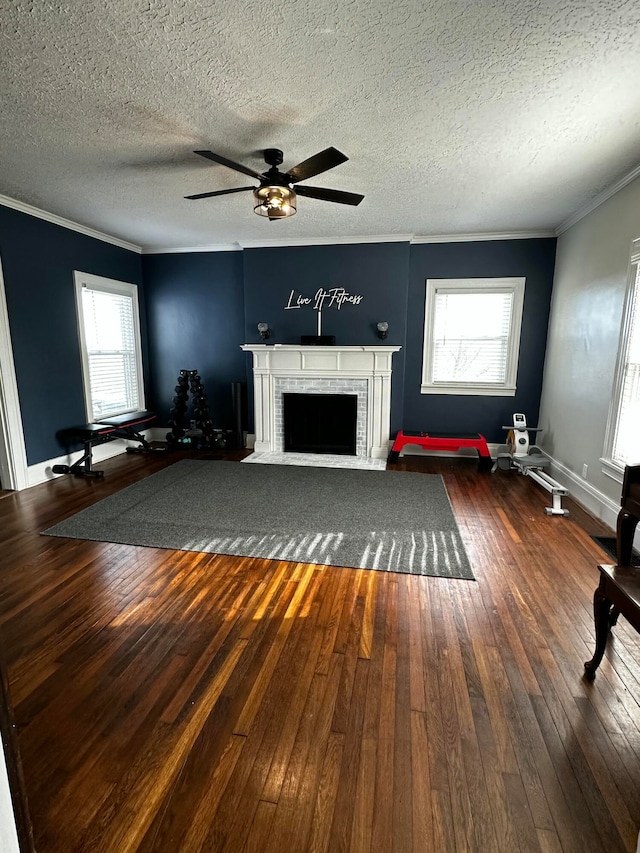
{"points": [[469, 390], [613, 470]]}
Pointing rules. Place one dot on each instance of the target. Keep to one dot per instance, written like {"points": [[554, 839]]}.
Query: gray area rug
{"points": [[385, 520]]}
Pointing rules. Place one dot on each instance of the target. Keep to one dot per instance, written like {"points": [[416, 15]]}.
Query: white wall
{"points": [[584, 329], [8, 834]]}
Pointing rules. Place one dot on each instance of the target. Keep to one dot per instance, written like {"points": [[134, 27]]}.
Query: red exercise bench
{"points": [[443, 441]]}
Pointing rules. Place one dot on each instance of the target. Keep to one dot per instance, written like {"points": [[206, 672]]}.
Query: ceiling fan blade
{"points": [[330, 195], [321, 162], [220, 192], [238, 167]]}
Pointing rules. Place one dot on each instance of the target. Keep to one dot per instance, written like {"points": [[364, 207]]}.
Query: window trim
{"points": [[123, 288], [609, 466], [507, 388]]}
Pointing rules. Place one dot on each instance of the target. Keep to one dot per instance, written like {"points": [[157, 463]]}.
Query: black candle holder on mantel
{"points": [[320, 340]]}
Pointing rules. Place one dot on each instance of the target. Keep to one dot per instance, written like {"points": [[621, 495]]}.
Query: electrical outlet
{"points": [[585, 470]]}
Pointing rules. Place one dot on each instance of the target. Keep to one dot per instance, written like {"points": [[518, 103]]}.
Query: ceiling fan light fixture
{"points": [[276, 202]]}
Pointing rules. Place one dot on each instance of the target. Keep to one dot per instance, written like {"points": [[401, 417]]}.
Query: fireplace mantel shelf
{"points": [[316, 348], [323, 369]]}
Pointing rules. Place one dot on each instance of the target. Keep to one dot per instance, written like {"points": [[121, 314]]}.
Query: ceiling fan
{"points": [[276, 196]]}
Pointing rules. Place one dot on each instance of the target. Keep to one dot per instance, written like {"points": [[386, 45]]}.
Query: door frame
{"points": [[14, 472], [13, 766]]}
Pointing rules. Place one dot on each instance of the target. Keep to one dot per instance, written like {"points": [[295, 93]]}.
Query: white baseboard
{"points": [[582, 491], [157, 433], [591, 498]]}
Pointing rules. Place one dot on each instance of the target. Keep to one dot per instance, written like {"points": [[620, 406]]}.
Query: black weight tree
{"points": [[190, 383]]}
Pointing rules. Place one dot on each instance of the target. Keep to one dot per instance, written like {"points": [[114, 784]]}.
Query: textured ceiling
{"points": [[458, 117]]}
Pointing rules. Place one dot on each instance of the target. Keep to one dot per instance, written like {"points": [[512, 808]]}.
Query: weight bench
{"points": [[90, 435], [443, 441]]}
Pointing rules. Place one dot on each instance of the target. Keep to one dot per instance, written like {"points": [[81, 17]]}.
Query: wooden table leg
{"points": [[602, 616], [626, 527]]}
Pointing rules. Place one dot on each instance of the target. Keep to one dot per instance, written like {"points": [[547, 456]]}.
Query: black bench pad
{"points": [[129, 419], [92, 432]]}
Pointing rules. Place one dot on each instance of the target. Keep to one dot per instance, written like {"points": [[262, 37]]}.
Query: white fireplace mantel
{"points": [[330, 368]]}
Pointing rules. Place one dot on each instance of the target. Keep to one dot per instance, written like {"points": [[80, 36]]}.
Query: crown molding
{"points": [[590, 206], [323, 241], [347, 241], [292, 242], [484, 237], [216, 247], [67, 223]]}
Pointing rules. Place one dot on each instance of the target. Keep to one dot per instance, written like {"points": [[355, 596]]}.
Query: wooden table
{"points": [[618, 592], [619, 587], [628, 515]]}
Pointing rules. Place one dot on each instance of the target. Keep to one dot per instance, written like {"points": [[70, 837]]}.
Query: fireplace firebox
{"points": [[320, 423]]}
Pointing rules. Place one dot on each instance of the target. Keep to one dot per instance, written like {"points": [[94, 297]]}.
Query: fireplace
{"points": [[320, 423], [362, 372]]}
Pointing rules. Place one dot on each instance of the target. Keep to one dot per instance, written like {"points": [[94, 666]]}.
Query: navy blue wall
{"points": [[377, 271], [196, 322], [197, 309], [533, 259], [38, 260]]}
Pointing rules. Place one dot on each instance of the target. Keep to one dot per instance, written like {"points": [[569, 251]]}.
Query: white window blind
{"points": [[626, 435], [110, 341], [471, 337]]}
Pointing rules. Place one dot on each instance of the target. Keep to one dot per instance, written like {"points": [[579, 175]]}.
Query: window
{"points": [[109, 328], [472, 336], [622, 442]]}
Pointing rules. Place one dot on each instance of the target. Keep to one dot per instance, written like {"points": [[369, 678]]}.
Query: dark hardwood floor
{"points": [[177, 701]]}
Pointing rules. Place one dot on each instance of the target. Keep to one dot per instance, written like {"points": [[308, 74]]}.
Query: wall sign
{"points": [[335, 297]]}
